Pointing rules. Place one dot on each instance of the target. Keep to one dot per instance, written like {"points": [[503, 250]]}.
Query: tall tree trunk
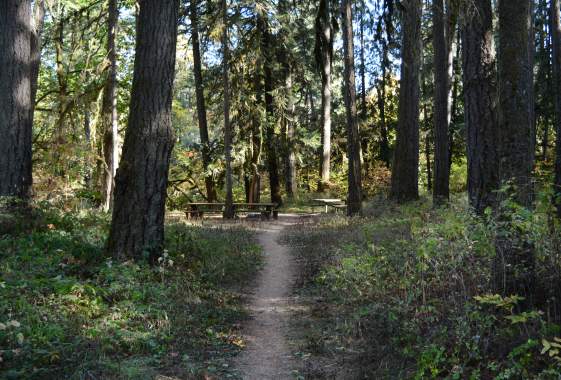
{"points": [[256, 142], [530, 79], [385, 154], [271, 137], [455, 95], [15, 99], [291, 174], [88, 137], [289, 128], [137, 226], [256, 147], [363, 105], [201, 105], [62, 95], [109, 118], [428, 122], [324, 46], [480, 98], [427, 158], [405, 173], [514, 269], [547, 46], [384, 144], [229, 206], [354, 199], [515, 98], [36, 38], [556, 47], [441, 189]]}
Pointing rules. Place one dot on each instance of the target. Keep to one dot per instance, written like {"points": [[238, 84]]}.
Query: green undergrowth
{"points": [[405, 293], [68, 311]]}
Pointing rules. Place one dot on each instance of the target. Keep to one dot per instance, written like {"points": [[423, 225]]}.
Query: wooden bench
{"points": [[336, 204], [197, 210], [267, 210]]}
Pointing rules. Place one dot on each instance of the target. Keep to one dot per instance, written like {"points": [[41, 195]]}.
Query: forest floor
{"points": [[400, 293], [67, 310]]}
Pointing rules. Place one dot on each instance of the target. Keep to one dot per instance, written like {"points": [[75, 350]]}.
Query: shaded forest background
{"points": [[438, 121]]}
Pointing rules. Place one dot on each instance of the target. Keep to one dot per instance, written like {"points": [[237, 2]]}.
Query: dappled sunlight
{"points": [[65, 301], [253, 190]]}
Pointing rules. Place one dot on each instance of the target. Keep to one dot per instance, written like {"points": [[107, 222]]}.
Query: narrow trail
{"points": [[268, 355]]}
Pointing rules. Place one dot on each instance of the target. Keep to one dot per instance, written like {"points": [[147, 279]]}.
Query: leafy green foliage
{"points": [[67, 310], [408, 294]]}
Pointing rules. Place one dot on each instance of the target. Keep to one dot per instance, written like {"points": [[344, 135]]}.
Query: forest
{"points": [[280, 189]]}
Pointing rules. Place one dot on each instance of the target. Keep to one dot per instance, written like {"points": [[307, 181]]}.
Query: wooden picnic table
{"points": [[197, 209], [330, 202]]}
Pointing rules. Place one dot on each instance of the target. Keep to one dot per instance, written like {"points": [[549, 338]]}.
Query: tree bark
{"points": [[363, 105], [530, 79], [109, 118], [354, 199], [256, 142], [289, 127], [36, 38], [556, 47], [271, 137], [428, 121], [256, 147], [15, 99], [427, 158], [291, 174], [137, 226], [201, 104], [88, 137], [514, 264], [405, 173], [324, 51], [62, 95], [441, 188], [546, 65], [455, 95], [229, 206], [384, 144], [515, 99], [480, 98]]}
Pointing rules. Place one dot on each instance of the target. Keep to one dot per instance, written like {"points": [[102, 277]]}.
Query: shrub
{"points": [[409, 292], [68, 311]]}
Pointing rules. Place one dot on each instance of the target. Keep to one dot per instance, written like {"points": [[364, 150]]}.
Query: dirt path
{"points": [[267, 355]]}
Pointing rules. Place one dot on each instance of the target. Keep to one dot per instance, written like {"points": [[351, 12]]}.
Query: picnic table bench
{"points": [[336, 204], [198, 209]]}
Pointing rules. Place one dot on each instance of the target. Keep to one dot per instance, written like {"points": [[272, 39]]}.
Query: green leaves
{"points": [[552, 348], [506, 303], [64, 307]]}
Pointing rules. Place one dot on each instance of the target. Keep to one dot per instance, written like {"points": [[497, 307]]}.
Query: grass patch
{"points": [[68, 311]]}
